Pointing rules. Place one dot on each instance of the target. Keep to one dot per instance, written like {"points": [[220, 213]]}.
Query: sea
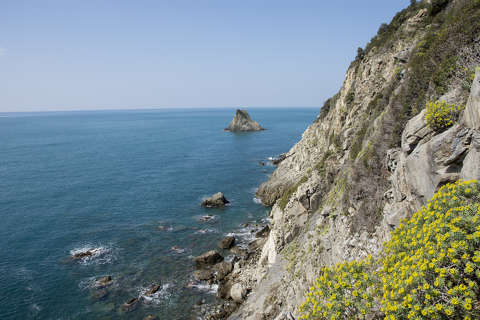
{"points": [[126, 185]]}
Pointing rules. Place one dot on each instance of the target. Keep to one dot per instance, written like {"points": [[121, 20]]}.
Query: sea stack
{"points": [[243, 123]]}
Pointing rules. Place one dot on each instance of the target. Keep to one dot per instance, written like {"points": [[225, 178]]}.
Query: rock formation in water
{"points": [[369, 160], [243, 123], [218, 200]]}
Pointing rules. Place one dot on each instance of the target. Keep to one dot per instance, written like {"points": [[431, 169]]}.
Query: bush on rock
{"points": [[430, 269]]}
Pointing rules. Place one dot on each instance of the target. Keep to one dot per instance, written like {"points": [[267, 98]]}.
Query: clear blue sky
{"points": [[66, 54]]}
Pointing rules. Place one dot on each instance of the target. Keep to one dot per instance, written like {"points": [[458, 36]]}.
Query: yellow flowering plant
{"points": [[440, 115], [430, 269], [430, 266], [345, 291]]}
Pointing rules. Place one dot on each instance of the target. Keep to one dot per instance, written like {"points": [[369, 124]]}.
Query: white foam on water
{"points": [[205, 287], [257, 201], [162, 294], [178, 249], [100, 254], [203, 231], [205, 218], [35, 308]]}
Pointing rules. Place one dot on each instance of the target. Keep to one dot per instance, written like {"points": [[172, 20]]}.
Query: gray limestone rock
{"points": [[415, 130], [238, 292], [471, 115], [227, 242], [208, 259], [243, 123], [216, 201]]}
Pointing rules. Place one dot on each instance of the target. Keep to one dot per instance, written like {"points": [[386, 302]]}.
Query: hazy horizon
{"points": [[110, 55]]}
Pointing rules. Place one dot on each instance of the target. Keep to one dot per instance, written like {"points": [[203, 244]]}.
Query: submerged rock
{"points": [[215, 201], [243, 123], [154, 289], [208, 259], [84, 254], [103, 281], [227, 242], [130, 304]]}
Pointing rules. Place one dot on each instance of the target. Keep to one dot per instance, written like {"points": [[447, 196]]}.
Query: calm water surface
{"points": [[129, 184]]}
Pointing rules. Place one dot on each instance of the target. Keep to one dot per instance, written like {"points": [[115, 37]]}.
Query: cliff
{"points": [[243, 123], [370, 159]]}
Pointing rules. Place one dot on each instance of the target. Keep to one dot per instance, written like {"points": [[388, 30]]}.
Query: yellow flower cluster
{"points": [[430, 266], [342, 292], [430, 269], [440, 115]]}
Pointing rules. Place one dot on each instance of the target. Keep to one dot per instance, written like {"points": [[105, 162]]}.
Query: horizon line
{"points": [[158, 108]]}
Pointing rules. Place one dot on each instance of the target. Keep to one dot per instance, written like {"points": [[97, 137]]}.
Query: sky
{"points": [[124, 54]]}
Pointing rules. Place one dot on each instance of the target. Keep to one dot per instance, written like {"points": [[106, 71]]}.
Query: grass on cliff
{"points": [[430, 269], [287, 194]]}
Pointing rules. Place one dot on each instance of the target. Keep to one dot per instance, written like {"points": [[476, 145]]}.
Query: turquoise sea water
{"points": [[129, 185]]}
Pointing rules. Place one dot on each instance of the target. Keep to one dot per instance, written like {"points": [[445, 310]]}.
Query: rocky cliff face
{"points": [[369, 160], [243, 122]]}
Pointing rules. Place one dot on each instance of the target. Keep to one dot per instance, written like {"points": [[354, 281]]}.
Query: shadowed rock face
{"points": [[243, 123]]}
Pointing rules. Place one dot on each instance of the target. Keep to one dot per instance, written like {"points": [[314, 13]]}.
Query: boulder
{"points": [[154, 289], [471, 115], [263, 232], [203, 275], [280, 158], [238, 292], [227, 242], [130, 304], [215, 201], [255, 244], [208, 259], [239, 251], [222, 269], [243, 123], [224, 289], [83, 254]]}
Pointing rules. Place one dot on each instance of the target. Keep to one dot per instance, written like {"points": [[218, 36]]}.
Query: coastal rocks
{"points": [[218, 200], [227, 242], [280, 158], [224, 289], [263, 232], [154, 289], [239, 251], [238, 292], [203, 275], [130, 305], [87, 254], [208, 259], [243, 123], [222, 269], [82, 255]]}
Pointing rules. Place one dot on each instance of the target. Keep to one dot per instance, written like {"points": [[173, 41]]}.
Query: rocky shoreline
{"points": [[230, 272]]}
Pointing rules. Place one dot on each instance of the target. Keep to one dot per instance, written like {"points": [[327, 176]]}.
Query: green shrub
{"points": [[430, 269], [441, 115]]}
